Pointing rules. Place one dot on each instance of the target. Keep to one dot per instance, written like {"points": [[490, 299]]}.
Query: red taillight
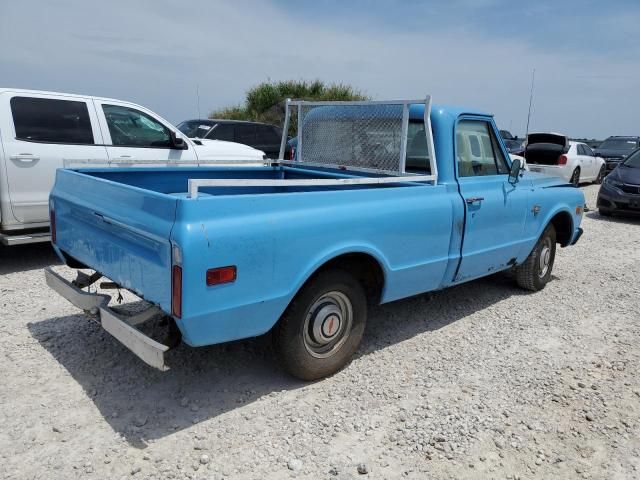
{"points": [[52, 220], [176, 291], [292, 154], [562, 160], [216, 276]]}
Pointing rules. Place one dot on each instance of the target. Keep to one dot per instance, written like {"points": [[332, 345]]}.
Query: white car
{"points": [[43, 131], [554, 154]]}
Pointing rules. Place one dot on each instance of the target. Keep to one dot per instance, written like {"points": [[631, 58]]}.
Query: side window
{"points": [[266, 135], [581, 150], [478, 151], [222, 131], [588, 151], [132, 128], [417, 159], [246, 133], [51, 121]]}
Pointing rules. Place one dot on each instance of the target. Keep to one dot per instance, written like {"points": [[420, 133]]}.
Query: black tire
{"points": [[333, 302], [601, 174], [575, 178], [604, 212], [531, 275]]}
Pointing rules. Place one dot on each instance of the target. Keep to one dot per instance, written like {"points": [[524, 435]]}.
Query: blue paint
{"points": [[124, 222]]}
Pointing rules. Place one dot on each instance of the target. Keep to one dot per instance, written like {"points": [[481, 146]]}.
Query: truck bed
{"points": [[135, 225]]}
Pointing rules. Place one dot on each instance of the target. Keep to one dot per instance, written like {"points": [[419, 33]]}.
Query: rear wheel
{"points": [[322, 327], [601, 174], [575, 178], [535, 272]]}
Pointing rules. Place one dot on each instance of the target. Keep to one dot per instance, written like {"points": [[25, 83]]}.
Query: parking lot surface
{"points": [[480, 381]]}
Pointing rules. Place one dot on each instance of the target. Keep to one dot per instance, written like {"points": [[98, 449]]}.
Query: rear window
{"points": [[51, 121]]}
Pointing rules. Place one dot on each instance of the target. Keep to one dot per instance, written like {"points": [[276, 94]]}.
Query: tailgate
{"points": [[118, 230]]}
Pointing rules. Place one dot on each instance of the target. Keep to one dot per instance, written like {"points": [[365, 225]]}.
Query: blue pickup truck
{"points": [[385, 200]]}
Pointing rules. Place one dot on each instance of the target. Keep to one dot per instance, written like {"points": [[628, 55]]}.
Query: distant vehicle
{"points": [[262, 136], [514, 146], [43, 131], [553, 154], [615, 149], [300, 249], [506, 135], [620, 190]]}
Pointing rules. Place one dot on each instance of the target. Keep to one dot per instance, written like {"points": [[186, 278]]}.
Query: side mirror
{"points": [[177, 142], [514, 173]]}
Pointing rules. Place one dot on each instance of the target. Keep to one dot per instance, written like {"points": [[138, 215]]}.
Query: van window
{"points": [[222, 131], [51, 121], [477, 150], [132, 128]]}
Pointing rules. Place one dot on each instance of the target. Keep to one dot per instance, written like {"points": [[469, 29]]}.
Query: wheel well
{"points": [[563, 224], [364, 267]]}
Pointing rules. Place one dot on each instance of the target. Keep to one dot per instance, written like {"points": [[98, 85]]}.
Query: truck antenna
{"points": [[526, 135], [198, 98]]}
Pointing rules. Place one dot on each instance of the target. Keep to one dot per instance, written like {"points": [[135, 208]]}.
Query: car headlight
{"points": [[611, 182]]}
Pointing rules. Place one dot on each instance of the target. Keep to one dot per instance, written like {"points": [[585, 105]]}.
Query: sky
{"points": [[476, 53]]}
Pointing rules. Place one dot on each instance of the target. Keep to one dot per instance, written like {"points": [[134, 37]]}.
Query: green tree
{"points": [[266, 101]]}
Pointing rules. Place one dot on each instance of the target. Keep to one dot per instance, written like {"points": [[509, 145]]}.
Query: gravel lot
{"points": [[479, 381]]}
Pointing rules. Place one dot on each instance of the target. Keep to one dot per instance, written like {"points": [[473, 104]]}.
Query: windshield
{"points": [[633, 160], [619, 144], [195, 128]]}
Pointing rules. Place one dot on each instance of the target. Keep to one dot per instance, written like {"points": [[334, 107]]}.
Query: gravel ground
{"points": [[479, 381]]}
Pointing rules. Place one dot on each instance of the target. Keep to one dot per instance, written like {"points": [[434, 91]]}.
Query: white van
{"points": [[43, 131]]}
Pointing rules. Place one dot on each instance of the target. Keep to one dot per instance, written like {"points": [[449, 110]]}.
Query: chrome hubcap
{"points": [[545, 258], [327, 324]]}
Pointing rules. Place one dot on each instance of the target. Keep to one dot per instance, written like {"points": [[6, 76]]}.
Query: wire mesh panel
{"points": [[361, 135]]}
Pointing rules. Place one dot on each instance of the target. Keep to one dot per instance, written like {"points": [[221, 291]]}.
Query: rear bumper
{"points": [[562, 171], [119, 326]]}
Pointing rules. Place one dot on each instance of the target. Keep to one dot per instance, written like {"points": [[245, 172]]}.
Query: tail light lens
{"points": [[292, 154], [562, 160], [52, 220], [176, 291]]}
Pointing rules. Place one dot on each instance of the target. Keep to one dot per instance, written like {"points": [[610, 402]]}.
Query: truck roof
{"points": [[416, 112], [71, 95]]}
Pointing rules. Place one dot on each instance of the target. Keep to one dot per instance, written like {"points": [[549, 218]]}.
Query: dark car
{"points": [[514, 146], [620, 191], [262, 136], [614, 149]]}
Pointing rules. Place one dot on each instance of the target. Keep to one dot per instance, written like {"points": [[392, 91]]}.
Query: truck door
{"points": [[133, 134], [495, 209], [39, 135]]}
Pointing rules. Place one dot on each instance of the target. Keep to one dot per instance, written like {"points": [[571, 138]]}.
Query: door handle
{"points": [[472, 200], [24, 157], [125, 156]]}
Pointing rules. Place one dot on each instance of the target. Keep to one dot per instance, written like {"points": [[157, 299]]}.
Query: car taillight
{"points": [[562, 160], [52, 220], [292, 154], [217, 276], [176, 291]]}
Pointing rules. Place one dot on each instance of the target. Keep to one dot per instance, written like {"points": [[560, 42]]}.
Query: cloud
{"points": [[155, 53]]}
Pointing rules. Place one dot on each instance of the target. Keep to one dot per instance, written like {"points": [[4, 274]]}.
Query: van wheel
{"points": [[535, 272], [601, 174], [322, 327], [575, 178]]}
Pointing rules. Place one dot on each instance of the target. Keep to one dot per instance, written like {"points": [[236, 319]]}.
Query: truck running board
{"points": [[22, 238], [118, 325]]}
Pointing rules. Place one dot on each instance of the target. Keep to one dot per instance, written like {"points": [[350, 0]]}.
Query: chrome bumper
{"points": [[119, 326]]}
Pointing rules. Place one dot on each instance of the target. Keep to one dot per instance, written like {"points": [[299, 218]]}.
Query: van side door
{"points": [[495, 210], [40, 132], [133, 133]]}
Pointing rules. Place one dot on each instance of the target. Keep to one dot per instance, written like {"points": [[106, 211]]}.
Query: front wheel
{"points": [[322, 327], [601, 174], [535, 272]]}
